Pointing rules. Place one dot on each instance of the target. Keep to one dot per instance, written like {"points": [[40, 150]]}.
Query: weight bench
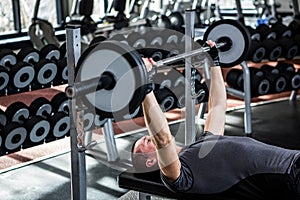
{"points": [[146, 184]]}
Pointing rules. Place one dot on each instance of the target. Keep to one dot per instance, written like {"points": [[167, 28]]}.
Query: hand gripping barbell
{"points": [[111, 77]]}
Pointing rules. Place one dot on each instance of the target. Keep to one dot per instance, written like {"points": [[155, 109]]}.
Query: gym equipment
{"points": [[21, 74], [165, 98], [289, 72], [161, 80], [260, 85], [29, 54], [13, 135], [234, 79], [62, 72], [99, 39], [40, 107], [60, 103], [232, 39], [136, 40], [88, 120], [59, 126], [45, 72], [257, 51], [99, 121], [50, 52], [273, 49], [4, 79], [135, 114], [176, 19], [17, 112], [289, 47], [37, 128], [277, 80], [41, 32]]}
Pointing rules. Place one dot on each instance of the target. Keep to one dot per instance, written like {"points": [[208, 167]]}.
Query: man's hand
{"points": [[149, 62], [213, 52]]}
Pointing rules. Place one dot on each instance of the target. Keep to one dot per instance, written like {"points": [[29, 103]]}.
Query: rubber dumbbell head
{"points": [[45, 72], [59, 126], [41, 107], [13, 136], [277, 80], [29, 54], [17, 112], [60, 103], [50, 52]]}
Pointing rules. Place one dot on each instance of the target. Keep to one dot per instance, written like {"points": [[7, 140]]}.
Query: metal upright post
{"points": [[109, 136], [78, 165], [247, 98], [190, 129]]}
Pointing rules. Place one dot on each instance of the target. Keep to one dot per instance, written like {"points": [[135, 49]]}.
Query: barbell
{"points": [[111, 78]]}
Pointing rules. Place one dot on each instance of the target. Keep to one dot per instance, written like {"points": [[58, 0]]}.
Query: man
{"points": [[215, 166]]}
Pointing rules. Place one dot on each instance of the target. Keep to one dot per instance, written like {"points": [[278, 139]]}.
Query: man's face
{"points": [[144, 145]]}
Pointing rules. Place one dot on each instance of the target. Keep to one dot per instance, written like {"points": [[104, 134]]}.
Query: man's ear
{"points": [[151, 161]]}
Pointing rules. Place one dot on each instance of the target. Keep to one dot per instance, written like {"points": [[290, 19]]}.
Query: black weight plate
{"points": [[60, 124], [17, 112], [22, 74], [14, 136], [46, 71], [7, 57], [128, 70], [239, 36], [37, 128], [29, 54], [41, 107], [4, 77], [50, 52], [60, 102]]}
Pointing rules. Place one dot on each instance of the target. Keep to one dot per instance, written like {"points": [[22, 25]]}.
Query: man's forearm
{"points": [[215, 119], [161, 136]]}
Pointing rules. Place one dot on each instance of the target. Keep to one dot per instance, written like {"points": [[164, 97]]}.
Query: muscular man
{"points": [[216, 166]]}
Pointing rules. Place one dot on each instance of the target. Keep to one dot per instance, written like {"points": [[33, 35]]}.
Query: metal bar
{"points": [[188, 54], [78, 165], [206, 70], [247, 99], [296, 8], [239, 11], [106, 81], [59, 12], [235, 92], [109, 136], [190, 126], [293, 96], [17, 15]]}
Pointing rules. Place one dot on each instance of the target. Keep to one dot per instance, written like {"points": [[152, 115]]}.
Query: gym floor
{"points": [[275, 122]]}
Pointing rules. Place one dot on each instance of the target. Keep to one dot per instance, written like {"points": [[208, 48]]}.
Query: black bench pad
{"points": [[149, 182]]}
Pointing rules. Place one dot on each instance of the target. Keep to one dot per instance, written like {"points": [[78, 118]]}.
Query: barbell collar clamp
{"points": [[106, 81]]}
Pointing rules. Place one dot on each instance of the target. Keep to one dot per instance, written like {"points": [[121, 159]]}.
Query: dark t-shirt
{"points": [[215, 163]]}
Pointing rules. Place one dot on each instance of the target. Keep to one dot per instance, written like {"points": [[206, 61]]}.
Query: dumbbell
{"points": [[165, 98], [59, 126], [46, 68], [161, 80], [99, 121], [176, 19], [13, 132], [289, 47], [296, 40], [134, 114], [21, 73], [257, 50], [12, 137], [289, 72], [37, 128], [277, 80], [259, 84], [40, 107], [17, 112], [136, 40], [4, 79], [282, 30], [60, 103], [62, 72], [202, 90], [234, 79]]}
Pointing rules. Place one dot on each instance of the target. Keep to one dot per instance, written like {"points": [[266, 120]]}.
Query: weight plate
{"points": [[60, 103], [41, 107], [238, 36], [23, 74], [88, 121], [7, 57], [50, 52], [99, 121], [17, 112], [4, 78], [60, 124], [128, 70], [29, 54], [14, 135], [37, 128], [46, 71]]}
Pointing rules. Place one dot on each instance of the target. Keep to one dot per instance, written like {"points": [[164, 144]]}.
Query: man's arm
{"points": [[160, 133], [217, 103]]}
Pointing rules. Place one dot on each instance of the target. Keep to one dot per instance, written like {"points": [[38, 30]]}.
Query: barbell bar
{"points": [[111, 77]]}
